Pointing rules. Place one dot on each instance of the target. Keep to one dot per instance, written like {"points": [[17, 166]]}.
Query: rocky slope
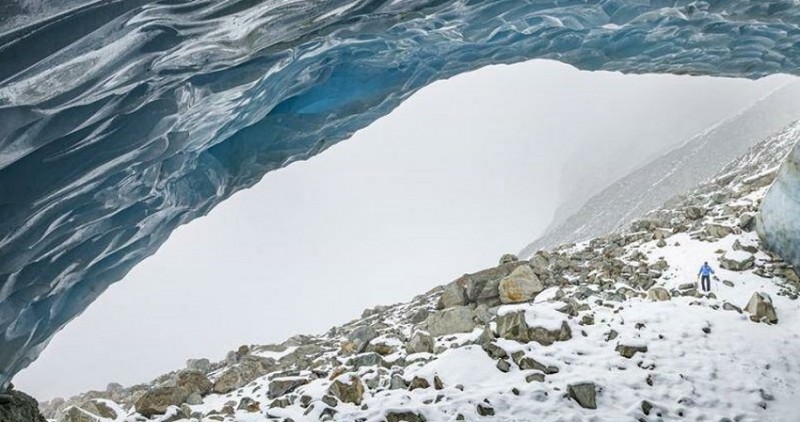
{"points": [[673, 173], [614, 328]]}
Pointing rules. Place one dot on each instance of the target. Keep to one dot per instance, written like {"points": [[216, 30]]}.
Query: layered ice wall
{"points": [[122, 119], [779, 220]]}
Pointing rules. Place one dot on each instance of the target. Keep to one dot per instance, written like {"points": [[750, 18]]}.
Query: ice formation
{"points": [[120, 120]]}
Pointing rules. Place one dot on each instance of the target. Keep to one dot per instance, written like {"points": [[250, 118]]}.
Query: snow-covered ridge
{"points": [[675, 172], [614, 328], [121, 120]]}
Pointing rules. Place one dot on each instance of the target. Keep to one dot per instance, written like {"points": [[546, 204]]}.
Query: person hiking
{"points": [[705, 276]]}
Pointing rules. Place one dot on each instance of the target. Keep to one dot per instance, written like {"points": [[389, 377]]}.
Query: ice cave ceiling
{"points": [[121, 120]]}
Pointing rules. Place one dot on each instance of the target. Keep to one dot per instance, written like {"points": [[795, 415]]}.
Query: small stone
{"points": [[485, 410], [535, 377], [503, 365], [628, 351], [584, 393], [418, 382]]}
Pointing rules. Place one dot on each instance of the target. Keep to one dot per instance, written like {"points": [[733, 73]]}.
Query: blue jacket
{"points": [[705, 270]]}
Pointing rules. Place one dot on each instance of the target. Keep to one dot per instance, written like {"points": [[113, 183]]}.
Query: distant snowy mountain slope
{"points": [[610, 329], [674, 173]]}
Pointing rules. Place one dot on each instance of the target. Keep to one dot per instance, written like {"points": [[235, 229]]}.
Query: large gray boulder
{"points": [[361, 336], [348, 389], [250, 368], [521, 285], [420, 342], [512, 326], [760, 308], [547, 337], [281, 386], [157, 400], [202, 364], [737, 260], [658, 294], [76, 414], [453, 295], [450, 321], [193, 382]]}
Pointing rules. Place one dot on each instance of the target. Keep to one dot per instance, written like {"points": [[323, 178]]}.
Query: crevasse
{"points": [[121, 120]]}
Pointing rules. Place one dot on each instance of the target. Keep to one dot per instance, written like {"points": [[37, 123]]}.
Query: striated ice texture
{"points": [[122, 119], [779, 220]]}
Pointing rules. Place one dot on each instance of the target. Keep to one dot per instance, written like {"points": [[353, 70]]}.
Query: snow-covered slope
{"points": [[610, 329], [122, 120], [671, 174]]}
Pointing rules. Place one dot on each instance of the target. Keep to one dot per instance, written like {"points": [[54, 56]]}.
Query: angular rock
{"points": [[547, 337], [760, 307], [521, 285], [508, 258], [202, 365], [628, 351], [453, 295], [694, 212], [418, 382], [450, 321], [658, 294], [281, 386], [420, 342], [485, 410], [70, 414], [512, 326], [348, 389], [737, 260], [193, 381], [365, 360], [361, 336], [404, 416], [583, 393], [157, 400]]}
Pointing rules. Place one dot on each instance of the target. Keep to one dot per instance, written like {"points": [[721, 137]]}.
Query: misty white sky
{"points": [[464, 171]]}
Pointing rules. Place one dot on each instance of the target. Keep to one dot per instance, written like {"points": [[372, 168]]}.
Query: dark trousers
{"points": [[705, 282]]}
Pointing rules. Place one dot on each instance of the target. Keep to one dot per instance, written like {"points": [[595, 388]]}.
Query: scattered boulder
{"points": [[404, 416], [249, 405], [202, 365], [418, 382], [453, 295], [72, 414], [420, 342], [193, 382], [658, 294], [512, 326], [242, 373], [584, 393], [521, 285], [737, 260], [508, 258], [694, 212], [366, 359], [281, 386], [485, 410], [534, 377], [348, 389], [547, 337], [450, 321], [157, 400], [760, 308], [361, 336], [628, 351]]}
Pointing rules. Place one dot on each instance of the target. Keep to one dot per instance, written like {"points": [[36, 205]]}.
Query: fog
{"points": [[464, 171]]}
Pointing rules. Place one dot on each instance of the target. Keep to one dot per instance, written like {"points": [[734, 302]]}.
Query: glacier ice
{"points": [[121, 120]]}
